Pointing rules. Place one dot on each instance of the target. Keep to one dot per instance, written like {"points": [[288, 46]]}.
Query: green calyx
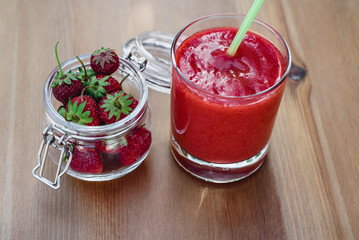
{"points": [[84, 74], [118, 143], [60, 76], [116, 104], [59, 80], [75, 113], [122, 142], [96, 87], [102, 56]]}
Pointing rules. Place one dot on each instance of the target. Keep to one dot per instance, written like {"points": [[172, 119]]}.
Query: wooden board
{"points": [[306, 189]]}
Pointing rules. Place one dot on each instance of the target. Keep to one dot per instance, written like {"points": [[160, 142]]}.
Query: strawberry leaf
{"points": [[75, 113], [81, 73], [81, 107], [66, 78], [117, 104], [122, 142], [102, 56], [72, 77], [96, 88], [67, 81]]}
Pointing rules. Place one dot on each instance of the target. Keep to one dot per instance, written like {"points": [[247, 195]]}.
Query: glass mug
{"points": [[223, 138]]}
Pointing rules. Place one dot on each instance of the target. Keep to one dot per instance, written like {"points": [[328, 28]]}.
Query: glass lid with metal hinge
{"points": [[154, 48]]}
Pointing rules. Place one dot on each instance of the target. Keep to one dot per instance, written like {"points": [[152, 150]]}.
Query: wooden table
{"points": [[306, 189]]}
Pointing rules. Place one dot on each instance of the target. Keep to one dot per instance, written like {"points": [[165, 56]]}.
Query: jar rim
{"points": [[234, 16], [83, 130]]}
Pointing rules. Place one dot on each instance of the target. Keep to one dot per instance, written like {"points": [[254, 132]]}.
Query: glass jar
{"points": [[114, 150]]}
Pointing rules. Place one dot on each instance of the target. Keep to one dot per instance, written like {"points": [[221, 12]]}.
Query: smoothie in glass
{"points": [[223, 108]]}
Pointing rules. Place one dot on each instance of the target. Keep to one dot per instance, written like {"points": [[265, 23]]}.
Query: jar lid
{"points": [[153, 47]]}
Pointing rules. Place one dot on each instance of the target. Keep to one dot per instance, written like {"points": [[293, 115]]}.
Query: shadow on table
{"points": [[249, 208]]}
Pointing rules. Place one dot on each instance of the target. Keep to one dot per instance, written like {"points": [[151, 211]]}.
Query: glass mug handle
{"points": [[60, 141]]}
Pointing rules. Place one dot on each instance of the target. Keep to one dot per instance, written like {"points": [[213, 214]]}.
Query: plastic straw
{"points": [[244, 27]]}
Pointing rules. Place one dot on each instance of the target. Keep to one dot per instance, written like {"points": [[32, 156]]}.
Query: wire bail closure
{"points": [[141, 65], [59, 140]]}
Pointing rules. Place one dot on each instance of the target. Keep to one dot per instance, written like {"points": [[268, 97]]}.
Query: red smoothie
{"points": [[222, 113]]}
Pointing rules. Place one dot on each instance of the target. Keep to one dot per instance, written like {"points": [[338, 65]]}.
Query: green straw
{"points": [[244, 27]]}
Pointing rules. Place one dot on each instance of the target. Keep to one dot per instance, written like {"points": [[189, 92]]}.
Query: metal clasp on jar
{"points": [[56, 138], [141, 65]]}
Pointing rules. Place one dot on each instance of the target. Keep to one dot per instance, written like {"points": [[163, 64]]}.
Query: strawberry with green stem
{"points": [[82, 110], [100, 85], [116, 106], [104, 61], [65, 85]]}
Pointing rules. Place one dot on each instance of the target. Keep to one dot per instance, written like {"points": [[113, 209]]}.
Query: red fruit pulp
{"points": [[211, 118]]}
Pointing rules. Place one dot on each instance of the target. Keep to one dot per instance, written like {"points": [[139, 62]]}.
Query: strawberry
{"points": [[100, 85], [113, 146], [65, 86], [115, 106], [114, 85], [138, 143], [104, 61], [81, 110], [87, 160]]}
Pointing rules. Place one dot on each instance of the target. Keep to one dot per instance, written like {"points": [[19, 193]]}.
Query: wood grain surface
{"points": [[306, 189]]}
